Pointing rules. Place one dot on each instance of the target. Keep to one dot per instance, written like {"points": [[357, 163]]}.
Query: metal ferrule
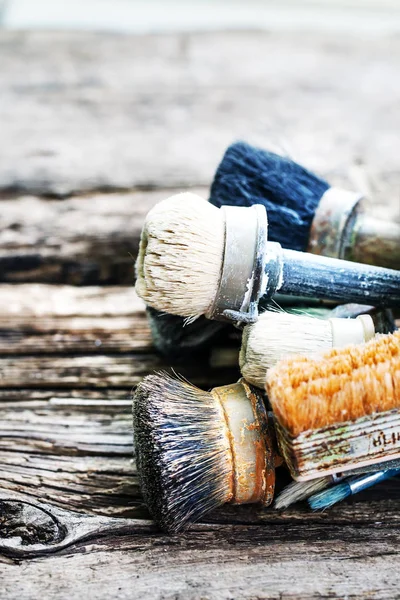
{"points": [[373, 241], [343, 228], [243, 265], [251, 445], [329, 228], [358, 485]]}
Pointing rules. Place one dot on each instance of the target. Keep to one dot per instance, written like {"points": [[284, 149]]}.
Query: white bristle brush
{"points": [[180, 242], [197, 259], [277, 335], [297, 491]]}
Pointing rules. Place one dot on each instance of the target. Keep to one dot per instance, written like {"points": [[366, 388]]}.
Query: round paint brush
{"points": [[278, 335], [178, 340], [196, 259], [326, 498], [305, 213], [197, 450]]}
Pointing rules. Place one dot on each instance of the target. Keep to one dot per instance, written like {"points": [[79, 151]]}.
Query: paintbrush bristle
{"points": [[300, 490], [182, 450], [328, 498], [181, 249], [182, 341], [343, 385], [290, 193], [277, 335]]}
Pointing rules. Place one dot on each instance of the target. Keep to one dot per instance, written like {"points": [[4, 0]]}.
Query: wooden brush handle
{"points": [[300, 273]]}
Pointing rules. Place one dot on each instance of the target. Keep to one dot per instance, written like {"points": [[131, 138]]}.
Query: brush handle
{"points": [[363, 483], [299, 273]]}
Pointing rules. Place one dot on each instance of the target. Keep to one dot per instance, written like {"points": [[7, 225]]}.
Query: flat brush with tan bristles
{"points": [[197, 450], [278, 335], [197, 259], [340, 411]]}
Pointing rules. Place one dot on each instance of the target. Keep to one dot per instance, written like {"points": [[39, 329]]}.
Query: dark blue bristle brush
{"points": [[304, 212]]}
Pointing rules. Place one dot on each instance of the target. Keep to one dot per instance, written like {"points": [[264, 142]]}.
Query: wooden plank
{"points": [[115, 123], [82, 241], [37, 319], [102, 371], [76, 452], [85, 111], [300, 556], [69, 360], [93, 239]]}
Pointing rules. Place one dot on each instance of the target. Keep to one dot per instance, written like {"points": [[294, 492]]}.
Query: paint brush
{"points": [[340, 411], [197, 450], [305, 213], [278, 335], [297, 491], [296, 331], [178, 340], [349, 487], [196, 259]]}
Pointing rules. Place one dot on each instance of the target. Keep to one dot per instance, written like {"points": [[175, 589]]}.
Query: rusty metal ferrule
{"points": [[329, 228], [251, 446], [373, 241], [342, 228]]}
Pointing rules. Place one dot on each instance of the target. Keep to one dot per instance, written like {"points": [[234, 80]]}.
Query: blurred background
{"points": [[110, 105], [138, 16]]}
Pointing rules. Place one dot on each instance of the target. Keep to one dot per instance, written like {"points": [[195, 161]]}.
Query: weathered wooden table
{"points": [[94, 130]]}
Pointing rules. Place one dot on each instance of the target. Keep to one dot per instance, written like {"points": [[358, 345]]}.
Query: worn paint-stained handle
{"points": [[303, 274]]}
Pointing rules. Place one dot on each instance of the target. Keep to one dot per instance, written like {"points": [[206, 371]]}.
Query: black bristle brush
{"points": [[304, 212], [197, 450], [180, 340]]}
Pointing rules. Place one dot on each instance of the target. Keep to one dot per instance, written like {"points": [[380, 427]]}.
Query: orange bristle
{"points": [[343, 385]]}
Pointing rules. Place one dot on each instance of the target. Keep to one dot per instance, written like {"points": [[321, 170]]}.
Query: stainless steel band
{"points": [[243, 263], [328, 234]]}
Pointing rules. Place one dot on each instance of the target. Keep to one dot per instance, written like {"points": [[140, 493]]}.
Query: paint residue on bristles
{"points": [[343, 385]]}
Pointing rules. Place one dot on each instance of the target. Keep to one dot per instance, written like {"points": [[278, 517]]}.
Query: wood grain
{"points": [[90, 240], [113, 113], [96, 128], [81, 241], [294, 555], [70, 500], [69, 360]]}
